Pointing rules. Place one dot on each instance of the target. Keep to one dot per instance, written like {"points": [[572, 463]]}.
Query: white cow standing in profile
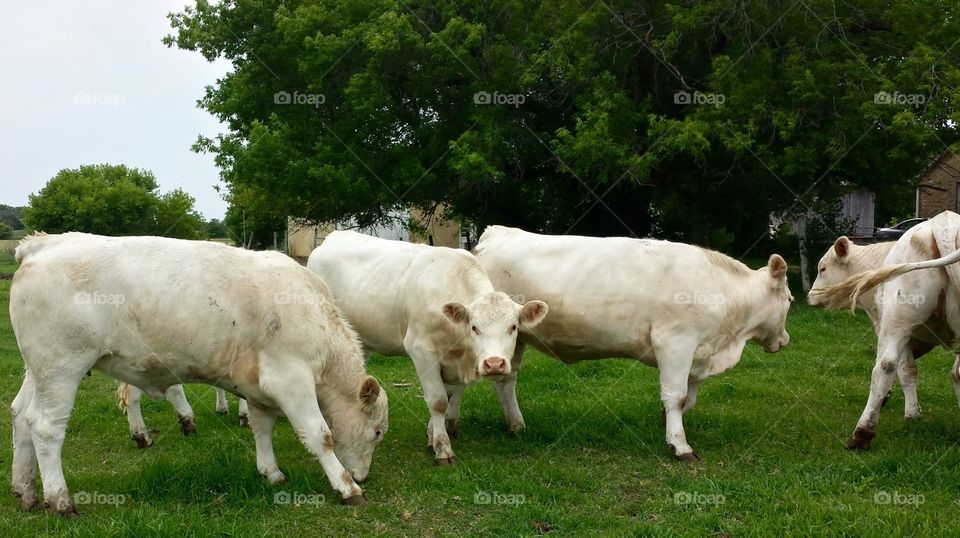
{"points": [[437, 306], [914, 305], [686, 310], [156, 312]]}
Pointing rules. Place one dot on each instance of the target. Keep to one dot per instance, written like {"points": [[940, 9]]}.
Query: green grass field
{"points": [[591, 462]]}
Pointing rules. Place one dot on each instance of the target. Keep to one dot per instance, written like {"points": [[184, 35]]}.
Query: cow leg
{"points": [[454, 397], [178, 399], [435, 395], [222, 406], [262, 423], [242, 412], [506, 390], [675, 358], [47, 416], [23, 476], [907, 372], [889, 350], [138, 429], [693, 388], [292, 387]]}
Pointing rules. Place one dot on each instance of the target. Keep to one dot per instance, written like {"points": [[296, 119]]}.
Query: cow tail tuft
{"points": [[123, 397], [28, 245]]}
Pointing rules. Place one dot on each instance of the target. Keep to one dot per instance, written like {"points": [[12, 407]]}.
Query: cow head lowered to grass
{"points": [[155, 312], [358, 428]]}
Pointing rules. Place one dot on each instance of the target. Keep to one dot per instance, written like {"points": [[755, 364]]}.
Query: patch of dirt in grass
{"points": [[542, 527]]}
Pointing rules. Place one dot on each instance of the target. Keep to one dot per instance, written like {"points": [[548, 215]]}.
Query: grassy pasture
{"points": [[591, 462]]}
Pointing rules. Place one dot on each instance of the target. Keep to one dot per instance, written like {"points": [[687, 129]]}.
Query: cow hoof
{"points": [[222, 411], [356, 500], [453, 429], [244, 421], [188, 426], [860, 440], [277, 480], [69, 510], [443, 462], [686, 457], [516, 427], [912, 414], [142, 440], [28, 501]]}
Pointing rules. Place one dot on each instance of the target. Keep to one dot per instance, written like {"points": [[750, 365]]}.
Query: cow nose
{"points": [[494, 365], [785, 340], [778, 344]]}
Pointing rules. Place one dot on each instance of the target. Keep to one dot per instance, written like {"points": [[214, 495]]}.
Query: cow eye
{"points": [[511, 329], [822, 269], [474, 329], [377, 434]]}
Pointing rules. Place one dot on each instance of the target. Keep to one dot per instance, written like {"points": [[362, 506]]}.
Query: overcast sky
{"points": [[90, 83]]}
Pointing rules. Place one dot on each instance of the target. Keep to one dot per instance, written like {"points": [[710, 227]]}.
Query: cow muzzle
{"points": [[777, 344], [494, 366], [359, 476]]}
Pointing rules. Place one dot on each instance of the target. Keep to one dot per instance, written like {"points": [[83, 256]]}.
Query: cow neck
{"points": [[340, 381], [745, 310], [867, 258]]}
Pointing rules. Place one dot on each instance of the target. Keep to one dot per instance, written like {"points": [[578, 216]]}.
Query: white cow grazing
{"points": [[128, 399], [681, 308], [436, 306], [912, 304], [156, 312], [845, 259]]}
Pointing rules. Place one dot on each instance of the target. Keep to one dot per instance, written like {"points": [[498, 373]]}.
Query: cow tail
{"points": [[123, 397], [28, 245], [846, 293]]}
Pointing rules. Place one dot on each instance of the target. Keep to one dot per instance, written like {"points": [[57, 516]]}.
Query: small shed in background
{"points": [[303, 237], [857, 208]]}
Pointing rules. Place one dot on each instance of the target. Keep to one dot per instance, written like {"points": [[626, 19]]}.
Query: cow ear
{"points": [[369, 390], [777, 267], [532, 313], [842, 246], [456, 312]]}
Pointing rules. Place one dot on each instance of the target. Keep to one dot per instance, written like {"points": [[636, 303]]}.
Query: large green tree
{"points": [[691, 121], [253, 217], [112, 200]]}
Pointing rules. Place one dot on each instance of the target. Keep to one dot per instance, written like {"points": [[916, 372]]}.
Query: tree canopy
{"points": [[633, 117], [112, 200]]}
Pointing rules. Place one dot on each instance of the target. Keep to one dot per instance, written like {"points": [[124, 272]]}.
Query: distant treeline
{"points": [[10, 216]]}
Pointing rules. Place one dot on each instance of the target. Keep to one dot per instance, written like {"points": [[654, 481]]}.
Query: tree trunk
{"points": [[800, 226]]}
